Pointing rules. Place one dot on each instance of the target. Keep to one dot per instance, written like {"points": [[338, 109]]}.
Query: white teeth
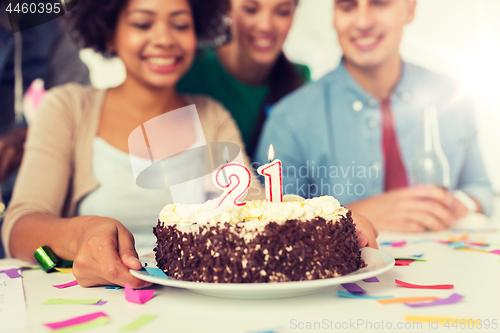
{"points": [[162, 61], [263, 42], [366, 41]]}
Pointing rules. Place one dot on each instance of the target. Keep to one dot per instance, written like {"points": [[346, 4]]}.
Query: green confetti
{"points": [[410, 258], [138, 323], [91, 324], [71, 301]]}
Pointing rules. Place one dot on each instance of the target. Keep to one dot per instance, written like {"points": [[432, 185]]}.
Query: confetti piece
{"points": [[71, 301], [29, 267], [454, 298], [138, 296], [407, 300], [342, 293], [440, 320], [400, 262], [496, 252], [12, 273], [113, 287], [416, 286], [410, 258], [372, 279], [471, 250], [80, 327], [398, 244], [64, 270], [139, 322], [418, 255], [155, 272], [76, 320], [66, 285], [353, 288]]}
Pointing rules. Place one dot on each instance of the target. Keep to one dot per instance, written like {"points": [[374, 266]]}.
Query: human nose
{"points": [[365, 19], [162, 36], [265, 22]]}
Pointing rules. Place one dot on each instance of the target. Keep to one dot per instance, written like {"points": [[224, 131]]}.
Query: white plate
{"points": [[378, 262]]}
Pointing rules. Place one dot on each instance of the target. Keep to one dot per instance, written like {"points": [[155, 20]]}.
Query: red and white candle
{"points": [[234, 179], [273, 177]]}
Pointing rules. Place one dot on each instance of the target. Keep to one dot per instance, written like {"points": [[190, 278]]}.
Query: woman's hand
{"points": [[104, 253], [367, 234]]}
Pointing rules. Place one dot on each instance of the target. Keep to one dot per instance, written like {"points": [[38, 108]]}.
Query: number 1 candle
{"points": [[273, 177]]}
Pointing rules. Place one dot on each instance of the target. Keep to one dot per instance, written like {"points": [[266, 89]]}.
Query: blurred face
{"points": [[370, 31], [260, 27], [156, 41]]}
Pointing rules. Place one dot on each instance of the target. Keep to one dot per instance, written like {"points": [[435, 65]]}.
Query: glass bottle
{"points": [[430, 165]]}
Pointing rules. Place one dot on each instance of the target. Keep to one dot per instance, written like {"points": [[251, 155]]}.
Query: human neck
{"points": [[147, 102], [378, 81], [236, 62]]}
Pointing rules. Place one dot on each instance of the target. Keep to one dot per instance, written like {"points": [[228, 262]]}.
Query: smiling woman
{"points": [[76, 192]]}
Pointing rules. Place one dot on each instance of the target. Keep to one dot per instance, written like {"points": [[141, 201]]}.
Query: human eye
{"points": [[142, 25], [250, 9], [346, 5], [380, 3], [284, 11]]}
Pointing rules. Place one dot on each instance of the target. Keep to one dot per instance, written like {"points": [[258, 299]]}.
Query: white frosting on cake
{"points": [[253, 216]]}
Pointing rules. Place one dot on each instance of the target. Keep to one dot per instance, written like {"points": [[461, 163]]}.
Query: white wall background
{"points": [[460, 38]]}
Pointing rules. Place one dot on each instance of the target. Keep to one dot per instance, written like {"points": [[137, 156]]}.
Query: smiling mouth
{"points": [[367, 42], [159, 61], [263, 43]]}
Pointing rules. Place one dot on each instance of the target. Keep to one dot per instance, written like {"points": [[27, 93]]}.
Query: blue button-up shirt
{"points": [[328, 135]]}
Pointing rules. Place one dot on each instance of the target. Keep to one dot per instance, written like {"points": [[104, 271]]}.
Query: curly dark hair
{"points": [[94, 22]]}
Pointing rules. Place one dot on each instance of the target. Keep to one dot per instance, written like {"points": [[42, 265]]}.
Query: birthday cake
{"points": [[260, 241]]}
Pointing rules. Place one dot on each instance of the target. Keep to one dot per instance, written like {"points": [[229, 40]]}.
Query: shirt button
{"points": [[372, 123], [406, 96], [357, 106], [372, 102]]}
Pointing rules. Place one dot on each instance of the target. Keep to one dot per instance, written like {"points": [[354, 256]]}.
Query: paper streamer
{"points": [[342, 293], [353, 288], [440, 320], [406, 300], [113, 287], [76, 320], [12, 273], [139, 322], [138, 296], [454, 298], [155, 272], [372, 279], [417, 286], [85, 326], [66, 285], [410, 258], [64, 270], [71, 301], [400, 262], [496, 252]]}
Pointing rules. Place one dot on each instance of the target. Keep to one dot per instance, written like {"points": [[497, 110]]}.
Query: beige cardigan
{"points": [[56, 171]]}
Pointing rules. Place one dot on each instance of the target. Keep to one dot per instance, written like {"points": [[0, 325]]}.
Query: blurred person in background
{"points": [[360, 123], [250, 72], [45, 51]]}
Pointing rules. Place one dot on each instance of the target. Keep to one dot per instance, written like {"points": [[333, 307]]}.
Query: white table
{"points": [[474, 275]]}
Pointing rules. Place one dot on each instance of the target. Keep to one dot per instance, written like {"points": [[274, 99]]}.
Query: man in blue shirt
{"points": [[354, 133]]}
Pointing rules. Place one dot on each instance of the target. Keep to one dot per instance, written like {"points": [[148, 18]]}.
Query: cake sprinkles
{"points": [[261, 242]]}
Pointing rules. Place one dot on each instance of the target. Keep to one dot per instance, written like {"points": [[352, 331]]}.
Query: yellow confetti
{"points": [[440, 320], [64, 270]]}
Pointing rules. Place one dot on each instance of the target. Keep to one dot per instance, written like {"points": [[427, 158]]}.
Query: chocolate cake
{"points": [[259, 242]]}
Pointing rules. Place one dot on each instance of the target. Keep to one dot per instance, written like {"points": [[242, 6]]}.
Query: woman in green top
{"points": [[251, 72]]}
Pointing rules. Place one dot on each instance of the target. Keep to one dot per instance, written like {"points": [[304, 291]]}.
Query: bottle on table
{"points": [[430, 165]]}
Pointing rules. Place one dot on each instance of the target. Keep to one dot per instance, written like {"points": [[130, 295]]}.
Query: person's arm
{"points": [[102, 249], [11, 151]]}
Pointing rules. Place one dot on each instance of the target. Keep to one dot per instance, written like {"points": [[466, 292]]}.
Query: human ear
{"points": [[412, 4]]}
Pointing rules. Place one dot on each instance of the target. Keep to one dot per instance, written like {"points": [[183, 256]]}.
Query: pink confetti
{"points": [[418, 286], [12, 273], [353, 288], [138, 296], [66, 285], [100, 303], [454, 298], [403, 262], [495, 252], [76, 320], [398, 244]]}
